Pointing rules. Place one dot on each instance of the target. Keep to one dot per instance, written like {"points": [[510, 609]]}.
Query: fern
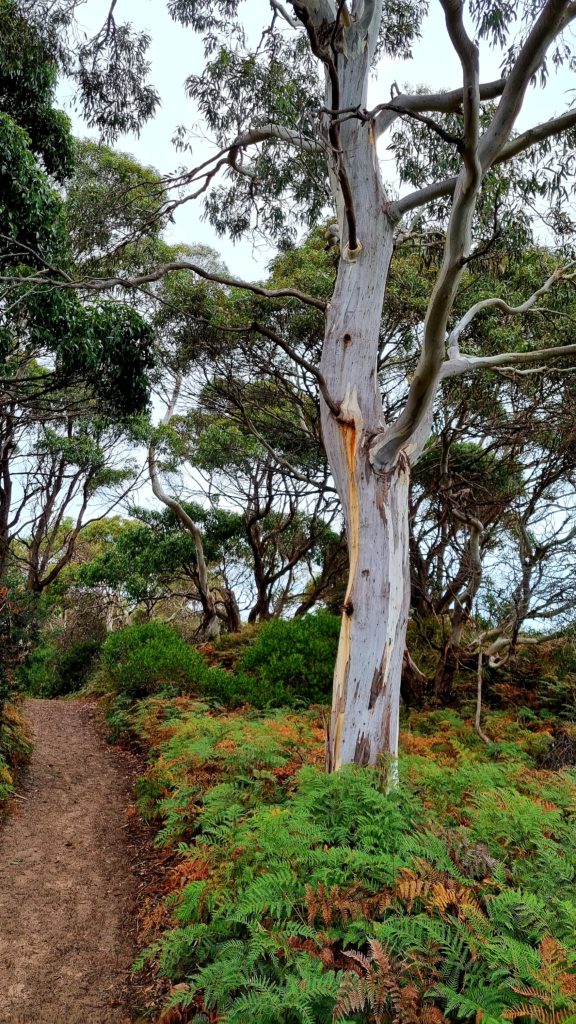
{"points": [[308, 899], [522, 914], [275, 893], [486, 1003]]}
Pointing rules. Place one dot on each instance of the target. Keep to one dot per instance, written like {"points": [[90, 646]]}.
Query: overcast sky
{"points": [[176, 52]]}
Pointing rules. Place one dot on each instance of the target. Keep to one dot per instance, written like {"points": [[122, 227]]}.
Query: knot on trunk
{"points": [[351, 255], [387, 457]]}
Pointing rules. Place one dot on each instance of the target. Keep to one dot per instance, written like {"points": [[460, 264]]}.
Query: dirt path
{"points": [[66, 886]]}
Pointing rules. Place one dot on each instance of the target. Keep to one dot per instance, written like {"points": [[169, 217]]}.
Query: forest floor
{"points": [[68, 877]]}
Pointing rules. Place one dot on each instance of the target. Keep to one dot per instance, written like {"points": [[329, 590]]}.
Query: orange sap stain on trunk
{"points": [[350, 425]]}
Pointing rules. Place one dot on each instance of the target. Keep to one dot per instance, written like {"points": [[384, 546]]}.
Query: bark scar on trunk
{"points": [[350, 427], [377, 687], [363, 750]]}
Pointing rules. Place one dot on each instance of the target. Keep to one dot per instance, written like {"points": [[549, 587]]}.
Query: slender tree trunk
{"points": [[368, 673], [478, 716], [233, 618], [210, 623], [365, 711]]}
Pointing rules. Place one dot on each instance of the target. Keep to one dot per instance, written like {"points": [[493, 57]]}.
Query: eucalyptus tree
{"points": [[62, 359], [289, 145], [68, 472], [151, 566]]}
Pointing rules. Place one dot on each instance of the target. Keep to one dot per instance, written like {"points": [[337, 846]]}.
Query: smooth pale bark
{"points": [[364, 720]]}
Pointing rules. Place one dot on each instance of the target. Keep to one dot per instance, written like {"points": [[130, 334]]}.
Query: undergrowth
{"points": [[305, 898], [15, 747], [281, 664]]}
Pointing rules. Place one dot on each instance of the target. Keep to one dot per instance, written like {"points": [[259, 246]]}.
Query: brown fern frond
{"points": [[359, 958], [327, 956], [318, 904], [567, 983], [427, 870], [530, 992], [410, 888], [552, 952], [556, 972], [351, 997], [455, 898], [389, 990], [344, 904], [380, 956], [431, 1015], [535, 1012], [547, 805]]}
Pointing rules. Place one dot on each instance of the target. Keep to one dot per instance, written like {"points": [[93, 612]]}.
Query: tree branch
{"points": [[505, 360], [132, 283], [301, 361], [553, 18], [253, 136], [387, 445], [539, 133], [561, 274], [450, 102], [421, 197]]}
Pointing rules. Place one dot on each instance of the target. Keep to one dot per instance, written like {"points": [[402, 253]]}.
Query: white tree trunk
{"points": [[365, 710], [366, 699]]}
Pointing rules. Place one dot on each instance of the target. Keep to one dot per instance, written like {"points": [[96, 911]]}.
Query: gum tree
{"points": [[290, 144]]}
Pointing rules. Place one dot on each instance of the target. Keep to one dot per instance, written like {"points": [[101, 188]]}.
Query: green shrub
{"points": [[287, 663], [76, 664], [51, 672], [145, 659], [38, 673], [291, 660]]}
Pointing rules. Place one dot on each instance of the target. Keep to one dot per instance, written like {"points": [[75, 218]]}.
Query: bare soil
{"points": [[67, 876]]}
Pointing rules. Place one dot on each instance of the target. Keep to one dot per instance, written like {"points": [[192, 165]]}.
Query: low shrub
{"points": [[143, 659], [50, 671], [37, 675], [284, 664], [292, 660], [76, 664]]}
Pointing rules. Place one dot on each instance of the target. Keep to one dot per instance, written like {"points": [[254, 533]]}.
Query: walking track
{"points": [[66, 884]]}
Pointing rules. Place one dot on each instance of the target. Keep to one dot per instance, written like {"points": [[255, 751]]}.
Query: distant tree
{"points": [[63, 360], [66, 474], [152, 565]]}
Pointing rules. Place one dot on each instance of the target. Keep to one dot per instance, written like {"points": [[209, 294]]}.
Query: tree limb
{"points": [[505, 360], [561, 274], [386, 446], [132, 283], [553, 18]]}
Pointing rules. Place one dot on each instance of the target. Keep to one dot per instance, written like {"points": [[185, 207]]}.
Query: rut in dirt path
{"points": [[66, 887]]}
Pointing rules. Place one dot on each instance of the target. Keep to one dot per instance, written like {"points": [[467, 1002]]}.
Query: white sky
{"points": [[176, 52]]}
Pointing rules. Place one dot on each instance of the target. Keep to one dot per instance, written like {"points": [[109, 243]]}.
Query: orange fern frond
{"points": [[535, 1012]]}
